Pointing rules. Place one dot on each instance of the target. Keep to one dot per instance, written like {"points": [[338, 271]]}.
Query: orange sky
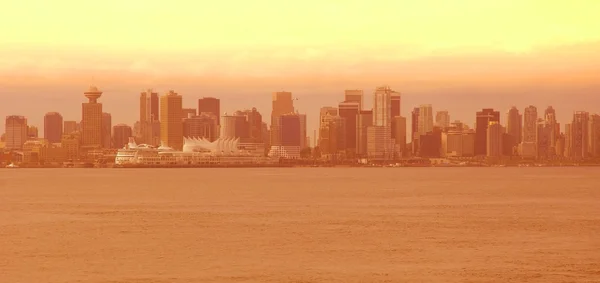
{"points": [[430, 51]]}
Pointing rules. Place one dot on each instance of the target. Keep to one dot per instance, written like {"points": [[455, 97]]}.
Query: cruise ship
{"points": [[196, 152]]}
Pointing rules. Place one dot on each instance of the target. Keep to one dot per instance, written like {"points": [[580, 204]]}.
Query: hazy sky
{"points": [[456, 55]]}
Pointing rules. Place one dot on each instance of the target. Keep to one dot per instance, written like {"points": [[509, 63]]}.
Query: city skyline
{"points": [[37, 119], [461, 56]]}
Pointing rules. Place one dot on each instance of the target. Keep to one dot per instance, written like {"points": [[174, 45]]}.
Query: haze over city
{"points": [[459, 56]]}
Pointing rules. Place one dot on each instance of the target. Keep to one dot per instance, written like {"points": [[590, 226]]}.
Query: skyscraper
{"points": [[149, 106], [32, 132], [414, 130], [482, 122], [69, 127], [282, 104], [331, 135], [16, 132], [149, 118], [379, 136], [251, 124], [348, 110], [395, 112], [545, 149], [106, 130], [554, 128], [514, 126], [494, 139], [53, 127], [290, 130], [568, 141], [171, 120], [395, 100], [400, 134], [210, 105], [442, 119], [594, 136], [529, 143], [579, 135], [228, 125], [425, 119], [355, 95], [91, 120], [363, 122], [302, 118], [121, 134]]}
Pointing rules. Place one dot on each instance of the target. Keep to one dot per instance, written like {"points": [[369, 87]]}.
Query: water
{"points": [[300, 225]]}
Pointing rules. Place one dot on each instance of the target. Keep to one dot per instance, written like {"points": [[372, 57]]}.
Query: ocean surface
{"points": [[300, 225]]}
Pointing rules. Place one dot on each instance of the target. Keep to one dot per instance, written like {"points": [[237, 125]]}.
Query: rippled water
{"points": [[300, 225]]}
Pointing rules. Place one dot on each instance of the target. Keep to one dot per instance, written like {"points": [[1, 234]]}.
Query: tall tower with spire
{"points": [[91, 119]]}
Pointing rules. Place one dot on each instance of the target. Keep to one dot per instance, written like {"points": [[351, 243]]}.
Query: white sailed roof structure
{"points": [[222, 146]]}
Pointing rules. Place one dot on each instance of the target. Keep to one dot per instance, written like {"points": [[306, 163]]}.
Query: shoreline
{"points": [[297, 166]]}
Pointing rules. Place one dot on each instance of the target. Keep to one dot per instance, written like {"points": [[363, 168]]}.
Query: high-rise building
{"points": [[332, 136], [106, 130], [149, 124], [201, 126], [395, 112], [70, 127], [355, 95], [121, 135], [91, 120], [228, 123], [395, 100], [349, 110], [210, 105], [425, 119], [579, 135], [364, 120], [560, 146], [53, 127], [529, 143], [327, 110], [414, 132], [282, 104], [594, 136], [514, 127], [543, 139], [399, 135], [32, 132], [303, 143], [242, 128], [568, 141], [289, 129], [171, 120], [188, 112], [442, 119], [249, 126], [494, 139], [16, 132], [482, 121], [382, 121], [149, 106], [554, 131]]}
